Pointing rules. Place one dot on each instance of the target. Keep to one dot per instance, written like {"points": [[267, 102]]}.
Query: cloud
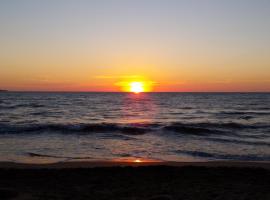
{"points": [[230, 81]]}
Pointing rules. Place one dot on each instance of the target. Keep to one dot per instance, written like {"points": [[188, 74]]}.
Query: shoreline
{"points": [[101, 164]]}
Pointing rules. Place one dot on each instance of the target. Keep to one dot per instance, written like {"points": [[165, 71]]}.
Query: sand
{"points": [[93, 164], [121, 180]]}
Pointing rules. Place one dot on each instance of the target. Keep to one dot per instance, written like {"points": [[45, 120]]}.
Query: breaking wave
{"points": [[217, 156], [31, 154], [131, 129], [73, 128]]}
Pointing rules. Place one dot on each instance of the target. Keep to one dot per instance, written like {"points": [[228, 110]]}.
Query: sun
{"points": [[136, 87]]}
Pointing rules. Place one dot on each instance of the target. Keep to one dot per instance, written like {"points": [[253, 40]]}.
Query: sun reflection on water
{"points": [[138, 108]]}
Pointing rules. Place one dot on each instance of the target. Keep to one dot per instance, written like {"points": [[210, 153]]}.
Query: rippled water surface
{"points": [[52, 127]]}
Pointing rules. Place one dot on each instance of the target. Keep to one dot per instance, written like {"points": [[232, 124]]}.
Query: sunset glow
{"points": [[136, 85], [106, 46]]}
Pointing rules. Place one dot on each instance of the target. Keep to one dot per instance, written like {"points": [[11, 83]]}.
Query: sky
{"points": [[100, 45]]}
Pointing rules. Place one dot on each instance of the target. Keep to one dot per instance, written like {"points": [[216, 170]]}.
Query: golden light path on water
{"points": [[136, 160]]}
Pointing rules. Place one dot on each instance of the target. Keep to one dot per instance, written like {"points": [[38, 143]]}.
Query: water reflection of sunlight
{"points": [[136, 160], [138, 108]]}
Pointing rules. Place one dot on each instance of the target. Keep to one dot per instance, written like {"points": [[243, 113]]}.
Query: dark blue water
{"points": [[52, 127]]}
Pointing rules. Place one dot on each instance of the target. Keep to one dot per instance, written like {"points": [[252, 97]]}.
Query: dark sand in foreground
{"points": [[110, 180]]}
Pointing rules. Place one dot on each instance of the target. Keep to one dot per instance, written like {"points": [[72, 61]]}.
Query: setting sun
{"points": [[136, 87]]}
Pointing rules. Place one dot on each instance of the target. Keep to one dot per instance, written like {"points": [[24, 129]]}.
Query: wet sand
{"points": [[133, 163], [130, 180]]}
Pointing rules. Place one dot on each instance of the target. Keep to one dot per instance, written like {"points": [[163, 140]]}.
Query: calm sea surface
{"points": [[53, 127]]}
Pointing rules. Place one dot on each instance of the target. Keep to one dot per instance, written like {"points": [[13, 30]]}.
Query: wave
{"points": [[211, 128], [74, 128], [187, 108], [229, 125], [246, 117], [54, 156], [180, 128], [242, 113], [216, 156], [235, 141], [206, 128], [31, 105]]}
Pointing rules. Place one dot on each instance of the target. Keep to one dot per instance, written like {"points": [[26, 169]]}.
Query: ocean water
{"points": [[55, 127]]}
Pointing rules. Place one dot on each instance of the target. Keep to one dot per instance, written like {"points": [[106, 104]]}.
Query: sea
{"points": [[49, 127]]}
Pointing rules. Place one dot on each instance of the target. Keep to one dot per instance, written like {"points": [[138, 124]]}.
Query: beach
{"points": [[123, 180]]}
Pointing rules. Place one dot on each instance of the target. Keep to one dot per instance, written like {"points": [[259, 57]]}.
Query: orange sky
{"points": [[99, 46]]}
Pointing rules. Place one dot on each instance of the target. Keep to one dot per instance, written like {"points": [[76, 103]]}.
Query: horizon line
{"points": [[60, 91]]}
